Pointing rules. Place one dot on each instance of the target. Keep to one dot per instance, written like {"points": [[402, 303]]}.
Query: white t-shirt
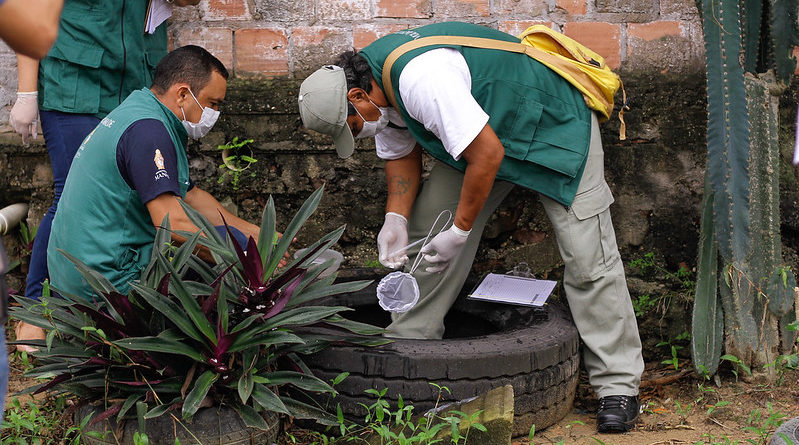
{"points": [[435, 88]]}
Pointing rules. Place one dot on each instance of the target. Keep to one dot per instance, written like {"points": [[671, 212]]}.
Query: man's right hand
{"points": [[392, 237], [24, 116]]}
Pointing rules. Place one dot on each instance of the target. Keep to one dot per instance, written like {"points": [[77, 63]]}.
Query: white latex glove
{"points": [[392, 237], [24, 116], [446, 245]]}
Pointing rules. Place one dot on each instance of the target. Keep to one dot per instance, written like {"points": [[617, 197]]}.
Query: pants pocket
{"points": [[591, 249]]}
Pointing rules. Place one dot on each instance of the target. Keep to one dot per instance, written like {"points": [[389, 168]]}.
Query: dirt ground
{"points": [[678, 408]]}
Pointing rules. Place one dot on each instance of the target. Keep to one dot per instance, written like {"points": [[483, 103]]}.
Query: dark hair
{"points": [[191, 64], [357, 71]]}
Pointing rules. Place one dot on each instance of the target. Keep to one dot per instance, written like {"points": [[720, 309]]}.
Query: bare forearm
{"points": [[27, 74], [30, 26], [402, 179], [483, 156]]}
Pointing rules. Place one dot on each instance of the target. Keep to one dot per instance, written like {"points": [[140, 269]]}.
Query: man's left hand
{"points": [[446, 245]]}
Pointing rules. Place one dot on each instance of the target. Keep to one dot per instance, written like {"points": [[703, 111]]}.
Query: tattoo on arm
{"points": [[398, 185]]}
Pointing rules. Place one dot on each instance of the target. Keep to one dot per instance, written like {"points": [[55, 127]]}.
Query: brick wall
{"points": [[294, 37], [270, 38]]}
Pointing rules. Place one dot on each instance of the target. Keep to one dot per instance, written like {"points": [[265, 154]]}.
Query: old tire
{"points": [[210, 425], [486, 346], [789, 430]]}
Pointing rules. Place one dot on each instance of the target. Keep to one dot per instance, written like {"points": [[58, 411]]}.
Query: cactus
{"points": [[748, 46], [785, 36], [708, 322], [728, 127]]}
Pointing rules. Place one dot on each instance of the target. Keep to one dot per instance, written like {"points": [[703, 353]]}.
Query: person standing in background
{"points": [[29, 27], [101, 55]]}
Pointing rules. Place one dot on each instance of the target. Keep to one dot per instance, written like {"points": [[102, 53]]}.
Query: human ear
{"points": [[182, 94], [357, 95]]}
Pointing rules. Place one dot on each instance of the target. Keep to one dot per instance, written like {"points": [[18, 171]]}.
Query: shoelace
{"points": [[614, 403]]}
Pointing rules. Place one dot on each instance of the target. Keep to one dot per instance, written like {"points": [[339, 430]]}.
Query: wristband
{"points": [[27, 93], [463, 233]]}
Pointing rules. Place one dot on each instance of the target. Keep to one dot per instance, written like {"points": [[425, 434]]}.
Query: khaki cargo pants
{"points": [[593, 279]]}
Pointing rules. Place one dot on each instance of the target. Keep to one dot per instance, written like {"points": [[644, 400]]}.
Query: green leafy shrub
{"points": [[189, 332]]}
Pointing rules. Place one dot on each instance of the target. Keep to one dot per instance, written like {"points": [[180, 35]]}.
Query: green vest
{"points": [[100, 219], [101, 55], [541, 120]]}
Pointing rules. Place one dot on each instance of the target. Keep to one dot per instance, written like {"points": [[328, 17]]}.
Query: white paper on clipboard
{"points": [[501, 288]]}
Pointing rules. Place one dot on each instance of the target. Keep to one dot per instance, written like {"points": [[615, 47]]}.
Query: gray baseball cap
{"points": [[323, 106]]}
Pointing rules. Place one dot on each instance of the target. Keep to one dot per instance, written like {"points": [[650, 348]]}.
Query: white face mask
{"points": [[207, 121], [371, 128]]}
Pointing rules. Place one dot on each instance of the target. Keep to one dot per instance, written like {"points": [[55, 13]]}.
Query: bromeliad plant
{"points": [[189, 333]]}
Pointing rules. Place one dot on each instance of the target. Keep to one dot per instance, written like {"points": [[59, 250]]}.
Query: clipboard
{"points": [[509, 289]]}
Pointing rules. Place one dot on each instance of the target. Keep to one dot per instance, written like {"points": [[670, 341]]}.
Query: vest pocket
{"points": [[516, 126], [73, 68]]}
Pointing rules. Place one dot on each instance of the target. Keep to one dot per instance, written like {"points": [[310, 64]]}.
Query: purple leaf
{"points": [[56, 380], [106, 414], [275, 285], [254, 257], [224, 340], [285, 295], [163, 286], [210, 303], [250, 271]]}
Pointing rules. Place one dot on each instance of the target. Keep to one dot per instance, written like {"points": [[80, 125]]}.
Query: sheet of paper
{"points": [[159, 11], [514, 290]]}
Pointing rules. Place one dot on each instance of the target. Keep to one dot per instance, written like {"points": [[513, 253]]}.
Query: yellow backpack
{"points": [[580, 66]]}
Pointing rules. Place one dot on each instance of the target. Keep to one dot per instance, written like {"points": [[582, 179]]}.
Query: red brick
{"points": [[603, 38], [462, 8], [262, 51], [573, 7], [516, 27], [655, 30], [363, 35], [403, 8], [225, 10], [218, 41]]}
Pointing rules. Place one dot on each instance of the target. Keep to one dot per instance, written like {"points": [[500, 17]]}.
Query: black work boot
{"points": [[616, 414]]}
